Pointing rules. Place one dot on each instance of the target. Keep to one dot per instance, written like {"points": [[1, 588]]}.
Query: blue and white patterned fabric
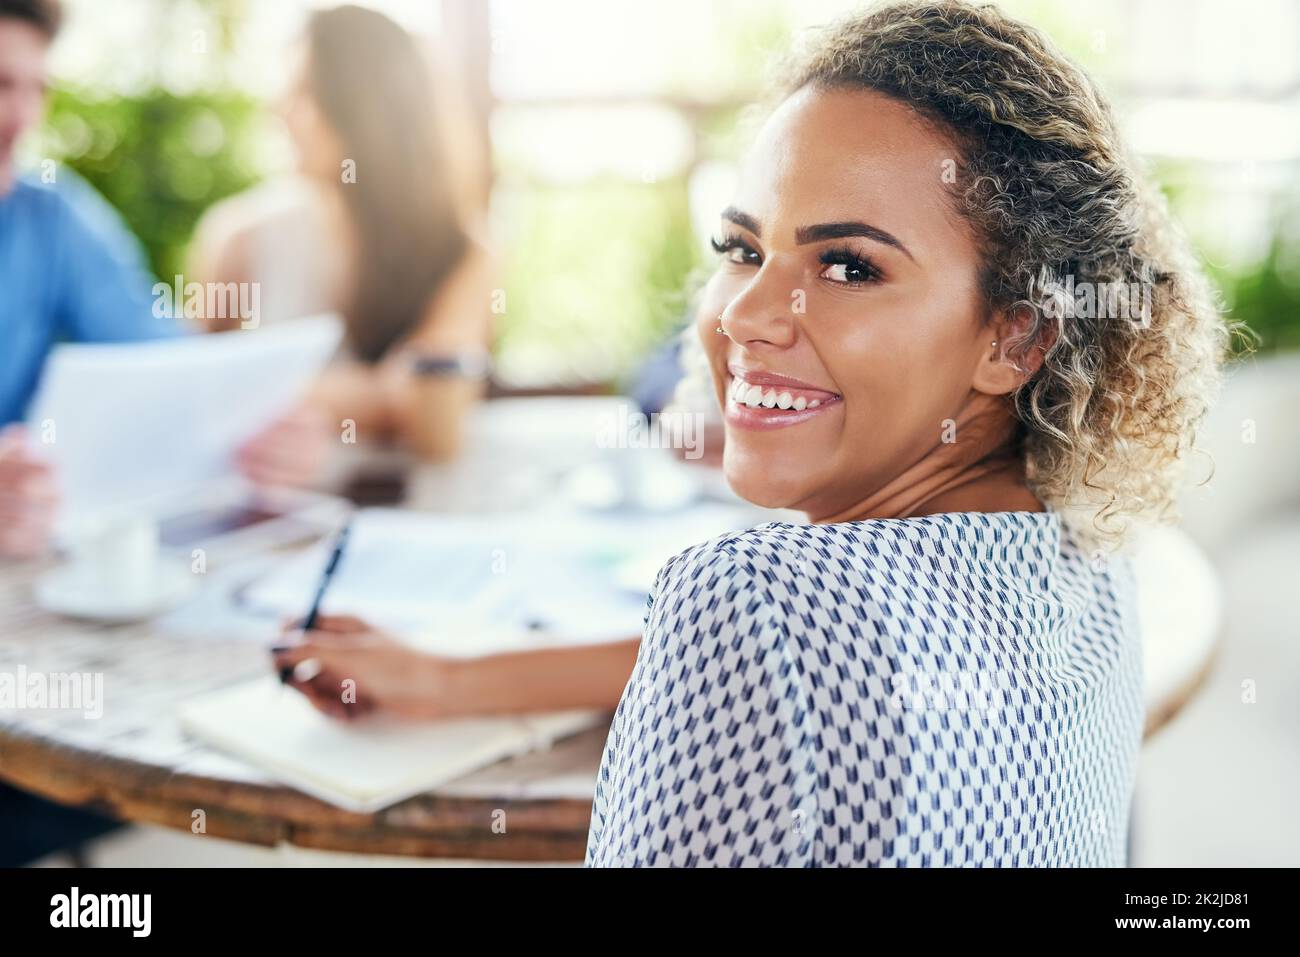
{"points": [[960, 689]]}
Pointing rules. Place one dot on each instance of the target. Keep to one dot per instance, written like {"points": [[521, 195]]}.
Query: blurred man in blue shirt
{"points": [[66, 272], [63, 276], [69, 270]]}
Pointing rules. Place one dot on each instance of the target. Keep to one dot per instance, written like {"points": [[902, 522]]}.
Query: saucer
{"points": [[71, 591]]}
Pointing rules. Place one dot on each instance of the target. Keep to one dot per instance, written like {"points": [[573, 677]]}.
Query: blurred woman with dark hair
{"points": [[381, 225]]}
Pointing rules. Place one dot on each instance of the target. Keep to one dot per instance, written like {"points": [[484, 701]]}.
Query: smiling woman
{"points": [[882, 337]]}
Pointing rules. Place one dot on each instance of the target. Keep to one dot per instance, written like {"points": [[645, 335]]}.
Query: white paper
{"points": [[132, 423], [475, 585], [370, 763]]}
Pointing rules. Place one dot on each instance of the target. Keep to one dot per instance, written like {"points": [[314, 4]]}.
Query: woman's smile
{"points": [[769, 400]]}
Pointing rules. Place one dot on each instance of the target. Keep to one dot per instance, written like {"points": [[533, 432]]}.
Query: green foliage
{"points": [[160, 158], [1266, 296], [596, 276]]}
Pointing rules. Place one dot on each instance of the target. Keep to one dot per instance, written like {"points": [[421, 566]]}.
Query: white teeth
{"points": [[753, 396]]}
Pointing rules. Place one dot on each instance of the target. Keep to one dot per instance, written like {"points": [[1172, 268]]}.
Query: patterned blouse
{"points": [[959, 689]]}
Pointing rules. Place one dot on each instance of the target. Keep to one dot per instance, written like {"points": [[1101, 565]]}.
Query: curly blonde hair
{"points": [[1107, 421]]}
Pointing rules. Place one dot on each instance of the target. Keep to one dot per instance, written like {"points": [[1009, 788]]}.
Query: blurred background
{"points": [[613, 132], [610, 131]]}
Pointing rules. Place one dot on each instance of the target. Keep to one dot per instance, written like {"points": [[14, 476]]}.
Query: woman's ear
{"points": [[1016, 346]]}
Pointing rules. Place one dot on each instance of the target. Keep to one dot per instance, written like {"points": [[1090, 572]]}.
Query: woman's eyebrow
{"points": [[823, 231], [743, 220]]}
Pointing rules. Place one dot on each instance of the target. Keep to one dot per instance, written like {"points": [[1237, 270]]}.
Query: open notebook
{"points": [[370, 764]]}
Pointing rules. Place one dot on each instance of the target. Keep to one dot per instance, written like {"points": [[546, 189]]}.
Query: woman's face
{"points": [[854, 337], [315, 143]]}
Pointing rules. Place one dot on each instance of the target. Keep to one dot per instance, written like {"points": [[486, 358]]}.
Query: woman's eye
{"points": [[842, 272], [849, 270], [735, 251]]}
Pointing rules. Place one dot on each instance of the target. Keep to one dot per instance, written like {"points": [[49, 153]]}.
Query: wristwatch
{"points": [[466, 365]]}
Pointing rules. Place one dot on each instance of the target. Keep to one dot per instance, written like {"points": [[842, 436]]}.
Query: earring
{"points": [[720, 331]]}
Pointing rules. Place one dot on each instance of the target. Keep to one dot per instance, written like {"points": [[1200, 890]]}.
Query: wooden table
{"points": [[135, 764]]}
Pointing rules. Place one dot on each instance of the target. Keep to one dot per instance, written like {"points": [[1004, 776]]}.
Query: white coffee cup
{"points": [[117, 554]]}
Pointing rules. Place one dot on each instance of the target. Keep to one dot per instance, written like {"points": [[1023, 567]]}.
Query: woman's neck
{"points": [[999, 488], [983, 470]]}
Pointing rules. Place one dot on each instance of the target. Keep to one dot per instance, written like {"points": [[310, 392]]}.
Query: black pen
{"points": [[335, 559]]}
